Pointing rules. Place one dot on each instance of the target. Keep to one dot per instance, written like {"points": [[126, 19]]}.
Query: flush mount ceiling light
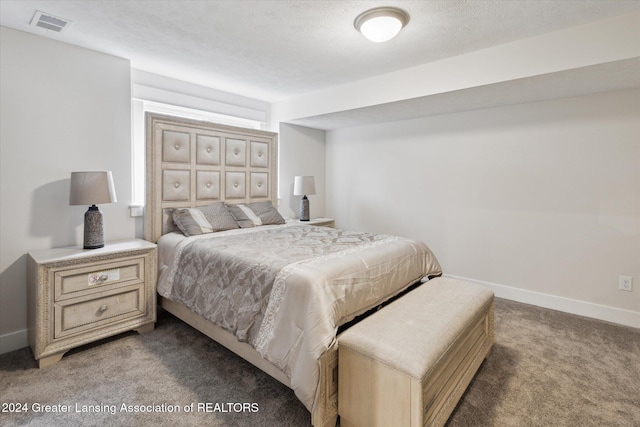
{"points": [[382, 23]]}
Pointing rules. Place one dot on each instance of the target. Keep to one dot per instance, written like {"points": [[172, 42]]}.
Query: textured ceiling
{"points": [[273, 50]]}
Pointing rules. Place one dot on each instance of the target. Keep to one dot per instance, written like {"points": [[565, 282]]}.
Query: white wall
{"points": [[63, 109], [301, 151], [539, 201]]}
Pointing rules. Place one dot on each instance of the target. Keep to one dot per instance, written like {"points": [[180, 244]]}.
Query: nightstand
{"points": [[77, 295], [323, 222]]}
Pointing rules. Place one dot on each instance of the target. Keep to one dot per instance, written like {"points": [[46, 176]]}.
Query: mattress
{"points": [[285, 289]]}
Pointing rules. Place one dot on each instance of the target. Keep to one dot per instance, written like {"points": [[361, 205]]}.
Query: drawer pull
{"points": [[100, 277], [103, 308]]}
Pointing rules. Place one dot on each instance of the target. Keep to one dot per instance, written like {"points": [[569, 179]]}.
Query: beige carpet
{"points": [[546, 369]]}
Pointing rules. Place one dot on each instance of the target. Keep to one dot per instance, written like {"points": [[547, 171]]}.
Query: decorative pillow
{"points": [[251, 215], [219, 217], [241, 216], [191, 221], [266, 212]]}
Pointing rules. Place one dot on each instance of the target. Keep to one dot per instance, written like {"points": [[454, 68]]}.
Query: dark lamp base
{"points": [[93, 247], [304, 209], [93, 236]]}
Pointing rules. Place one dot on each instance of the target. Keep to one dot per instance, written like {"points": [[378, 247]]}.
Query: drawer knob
{"points": [[103, 308], [103, 277]]}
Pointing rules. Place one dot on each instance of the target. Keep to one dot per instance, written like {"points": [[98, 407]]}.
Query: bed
{"points": [[276, 292]]}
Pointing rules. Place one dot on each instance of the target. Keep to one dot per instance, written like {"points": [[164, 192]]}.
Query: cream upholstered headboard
{"points": [[194, 163]]}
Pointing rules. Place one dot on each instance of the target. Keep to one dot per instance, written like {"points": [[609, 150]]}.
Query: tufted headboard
{"points": [[192, 163]]}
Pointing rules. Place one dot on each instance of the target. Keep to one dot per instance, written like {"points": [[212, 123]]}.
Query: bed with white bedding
{"points": [[274, 294], [285, 289]]}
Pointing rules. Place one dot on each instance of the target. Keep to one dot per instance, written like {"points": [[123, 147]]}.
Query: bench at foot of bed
{"points": [[410, 363]]}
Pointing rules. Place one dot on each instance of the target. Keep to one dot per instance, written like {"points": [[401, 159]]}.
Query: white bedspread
{"points": [[319, 288]]}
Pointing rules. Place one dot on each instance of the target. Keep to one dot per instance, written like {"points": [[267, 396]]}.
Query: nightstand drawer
{"points": [[78, 315], [94, 277]]}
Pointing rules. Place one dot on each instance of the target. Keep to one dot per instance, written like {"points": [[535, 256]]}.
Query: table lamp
{"points": [[303, 186], [92, 188]]}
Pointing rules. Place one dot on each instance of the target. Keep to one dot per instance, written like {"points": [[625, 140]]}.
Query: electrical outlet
{"points": [[625, 283]]}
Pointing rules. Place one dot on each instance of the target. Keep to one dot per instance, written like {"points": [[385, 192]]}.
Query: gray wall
{"points": [[301, 152], [539, 201], [63, 109]]}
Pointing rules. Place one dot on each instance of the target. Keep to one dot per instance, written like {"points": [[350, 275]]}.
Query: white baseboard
{"points": [[568, 305], [13, 341]]}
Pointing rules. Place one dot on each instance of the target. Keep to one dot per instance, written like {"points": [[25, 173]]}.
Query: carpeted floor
{"points": [[546, 369]]}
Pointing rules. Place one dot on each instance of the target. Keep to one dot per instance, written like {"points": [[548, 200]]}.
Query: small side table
{"points": [[76, 295]]}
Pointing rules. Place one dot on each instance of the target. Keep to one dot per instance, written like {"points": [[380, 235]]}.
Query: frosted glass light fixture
{"points": [[381, 23]]}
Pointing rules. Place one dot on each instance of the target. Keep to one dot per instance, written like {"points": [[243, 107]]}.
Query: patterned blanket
{"points": [[286, 289]]}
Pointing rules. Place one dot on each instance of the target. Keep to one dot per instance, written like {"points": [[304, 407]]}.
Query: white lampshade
{"points": [[92, 188], [382, 23], [304, 186]]}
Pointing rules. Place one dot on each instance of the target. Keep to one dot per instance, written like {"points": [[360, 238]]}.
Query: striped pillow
{"points": [[191, 221], [241, 216], [266, 212]]}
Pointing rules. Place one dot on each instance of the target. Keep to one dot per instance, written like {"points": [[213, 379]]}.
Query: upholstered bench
{"points": [[409, 363]]}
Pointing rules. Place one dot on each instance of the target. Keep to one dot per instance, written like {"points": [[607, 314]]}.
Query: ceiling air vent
{"points": [[50, 22]]}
